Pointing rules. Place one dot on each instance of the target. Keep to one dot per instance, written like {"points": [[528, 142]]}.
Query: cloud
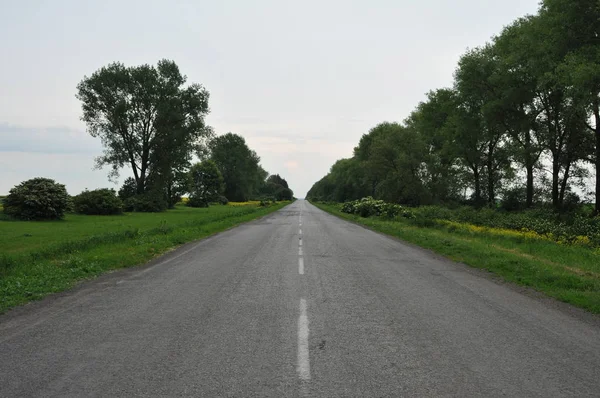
{"points": [[51, 140]]}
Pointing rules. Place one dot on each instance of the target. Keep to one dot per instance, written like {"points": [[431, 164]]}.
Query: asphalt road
{"points": [[299, 303]]}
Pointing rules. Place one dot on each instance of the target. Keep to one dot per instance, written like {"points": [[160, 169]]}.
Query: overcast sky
{"points": [[301, 81]]}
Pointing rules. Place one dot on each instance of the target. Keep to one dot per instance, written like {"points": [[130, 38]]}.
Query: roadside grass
{"points": [[567, 273], [39, 258]]}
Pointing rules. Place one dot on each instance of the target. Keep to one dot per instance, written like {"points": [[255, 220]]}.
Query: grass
{"points": [[568, 273], [39, 258]]}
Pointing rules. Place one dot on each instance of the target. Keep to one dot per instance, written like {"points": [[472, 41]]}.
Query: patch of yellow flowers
{"points": [[524, 233], [249, 203]]}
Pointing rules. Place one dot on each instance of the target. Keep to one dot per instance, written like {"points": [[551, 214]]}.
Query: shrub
{"points": [[37, 199], [223, 200], [368, 207], [102, 201], [514, 199], [150, 202], [195, 201], [128, 189]]}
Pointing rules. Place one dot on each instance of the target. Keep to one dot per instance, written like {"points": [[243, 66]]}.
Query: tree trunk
{"points": [[563, 185], [490, 184], [555, 177], [597, 134], [529, 169], [529, 163], [477, 186], [141, 182]]}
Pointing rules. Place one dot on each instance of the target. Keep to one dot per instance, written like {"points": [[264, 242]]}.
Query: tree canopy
{"points": [[152, 122], [147, 119], [522, 115], [239, 165]]}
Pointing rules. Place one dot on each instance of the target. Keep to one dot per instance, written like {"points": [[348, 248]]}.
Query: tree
{"points": [[146, 118], [431, 121], [37, 199], [128, 189], [575, 27], [392, 155], [205, 183], [276, 187], [561, 120], [239, 166], [480, 96], [517, 107], [276, 179]]}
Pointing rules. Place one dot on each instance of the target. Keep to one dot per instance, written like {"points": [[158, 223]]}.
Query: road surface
{"points": [[299, 303]]}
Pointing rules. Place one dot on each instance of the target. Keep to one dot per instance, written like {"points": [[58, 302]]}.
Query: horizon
{"points": [[298, 87]]}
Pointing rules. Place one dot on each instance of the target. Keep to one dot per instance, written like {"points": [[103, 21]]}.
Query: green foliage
{"points": [[128, 189], [239, 166], [205, 184], [37, 199], [223, 200], [266, 202], [98, 202], [151, 202], [369, 207], [276, 187], [514, 199], [523, 112], [197, 201], [148, 119], [284, 194]]}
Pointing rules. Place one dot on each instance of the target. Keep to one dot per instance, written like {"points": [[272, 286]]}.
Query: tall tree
{"points": [[517, 109], [480, 94], [561, 121], [239, 166], [574, 26], [431, 122], [146, 117]]}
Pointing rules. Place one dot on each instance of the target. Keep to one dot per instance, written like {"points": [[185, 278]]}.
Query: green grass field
{"points": [[567, 273], [39, 258]]}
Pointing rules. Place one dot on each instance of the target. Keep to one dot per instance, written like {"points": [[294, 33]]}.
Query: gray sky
{"points": [[301, 81]]}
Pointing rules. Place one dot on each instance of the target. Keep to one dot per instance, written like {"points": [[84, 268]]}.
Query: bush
{"points": [[195, 201], [223, 200], [102, 202], [368, 207], [37, 199], [150, 202], [514, 199]]}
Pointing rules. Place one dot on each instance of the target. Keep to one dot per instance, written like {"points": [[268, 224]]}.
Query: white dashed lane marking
{"points": [[303, 359]]}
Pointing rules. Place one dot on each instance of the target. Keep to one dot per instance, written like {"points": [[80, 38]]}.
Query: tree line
{"points": [[153, 124], [520, 123]]}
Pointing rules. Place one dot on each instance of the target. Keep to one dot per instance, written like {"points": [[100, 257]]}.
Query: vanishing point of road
{"points": [[299, 303]]}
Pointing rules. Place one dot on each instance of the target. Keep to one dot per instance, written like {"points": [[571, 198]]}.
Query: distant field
{"points": [[38, 258]]}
